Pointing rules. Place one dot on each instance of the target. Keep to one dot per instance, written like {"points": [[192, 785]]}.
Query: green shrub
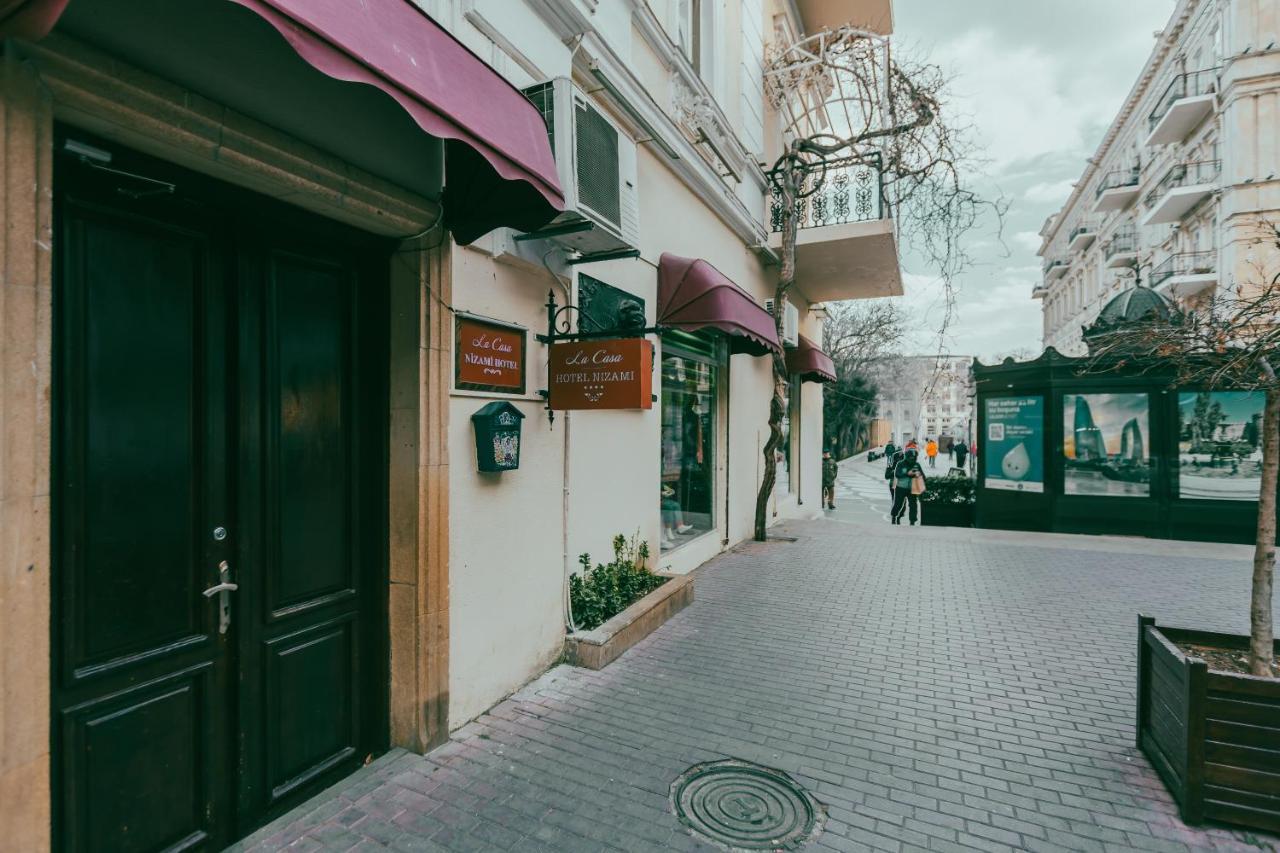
{"points": [[951, 489], [599, 594]]}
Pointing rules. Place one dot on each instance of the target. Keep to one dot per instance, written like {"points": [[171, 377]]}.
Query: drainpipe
{"points": [[570, 622]]}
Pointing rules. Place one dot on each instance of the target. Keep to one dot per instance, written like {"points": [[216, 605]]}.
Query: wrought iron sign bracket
{"points": [[558, 325]]}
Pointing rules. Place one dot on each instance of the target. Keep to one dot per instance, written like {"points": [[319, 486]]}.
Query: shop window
{"points": [[687, 487], [1220, 445]]}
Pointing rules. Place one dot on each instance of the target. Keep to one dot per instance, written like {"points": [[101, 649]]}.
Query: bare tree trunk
{"points": [[1261, 633], [789, 183]]}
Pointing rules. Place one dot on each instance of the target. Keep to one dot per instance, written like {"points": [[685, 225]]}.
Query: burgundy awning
{"points": [[810, 362], [29, 19], [499, 168], [694, 295]]}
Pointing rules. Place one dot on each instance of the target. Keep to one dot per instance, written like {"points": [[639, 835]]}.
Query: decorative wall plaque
{"points": [[489, 357]]}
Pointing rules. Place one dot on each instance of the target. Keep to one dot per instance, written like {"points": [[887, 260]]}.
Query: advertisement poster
{"points": [[1013, 456], [1104, 445], [1220, 445]]}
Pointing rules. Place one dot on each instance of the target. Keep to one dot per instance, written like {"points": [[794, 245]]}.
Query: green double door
{"points": [[218, 507]]}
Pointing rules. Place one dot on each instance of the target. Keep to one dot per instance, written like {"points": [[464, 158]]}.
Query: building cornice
{"points": [[702, 111], [632, 98], [1168, 40]]}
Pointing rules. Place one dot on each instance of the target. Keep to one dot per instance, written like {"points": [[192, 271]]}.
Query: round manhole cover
{"points": [[745, 807]]}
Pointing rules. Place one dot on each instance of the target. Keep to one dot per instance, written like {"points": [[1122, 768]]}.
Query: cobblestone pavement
{"points": [[938, 690]]}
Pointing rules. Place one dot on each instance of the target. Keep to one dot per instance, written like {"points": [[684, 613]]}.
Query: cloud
{"points": [[1039, 83], [1024, 102], [1029, 240], [1055, 192]]}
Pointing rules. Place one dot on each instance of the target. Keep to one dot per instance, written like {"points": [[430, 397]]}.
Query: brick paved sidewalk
{"points": [[936, 690]]}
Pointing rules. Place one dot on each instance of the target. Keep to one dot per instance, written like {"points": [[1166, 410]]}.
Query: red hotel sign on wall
{"points": [[613, 374], [490, 357]]}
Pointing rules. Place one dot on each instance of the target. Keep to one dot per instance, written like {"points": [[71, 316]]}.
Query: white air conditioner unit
{"points": [[790, 322], [596, 162]]}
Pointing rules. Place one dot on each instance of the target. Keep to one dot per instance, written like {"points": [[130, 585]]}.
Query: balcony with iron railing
{"points": [[1082, 236], [1117, 189], [1181, 189], [845, 247], [1183, 105], [1185, 273], [1055, 268], [1121, 248]]}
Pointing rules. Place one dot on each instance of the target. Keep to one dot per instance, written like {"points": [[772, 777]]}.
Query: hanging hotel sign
{"points": [[604, 374], [488, 357]]}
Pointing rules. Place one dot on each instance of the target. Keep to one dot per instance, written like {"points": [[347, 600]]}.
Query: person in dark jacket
{"points": [[960, 451], [829, 470], [892, 457], [905, 474]]}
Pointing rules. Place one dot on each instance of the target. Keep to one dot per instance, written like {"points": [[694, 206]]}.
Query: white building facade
{"points": [[1184, 178], [926, 396], [397, 590]]}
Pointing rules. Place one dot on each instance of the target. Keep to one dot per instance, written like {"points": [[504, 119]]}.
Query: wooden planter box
{"points": [[1213, 737], [599, 647], [946, 515]]}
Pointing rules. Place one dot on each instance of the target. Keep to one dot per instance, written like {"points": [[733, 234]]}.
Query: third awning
{"points": [[694, 295], [809, 362]]}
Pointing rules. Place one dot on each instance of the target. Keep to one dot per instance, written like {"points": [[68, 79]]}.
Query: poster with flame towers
{"points": [[1104, 444], [1013, 455]]}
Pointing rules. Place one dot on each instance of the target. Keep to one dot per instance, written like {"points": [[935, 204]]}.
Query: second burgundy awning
{"points": [[499, 167], [810, 362], [694, 295]]}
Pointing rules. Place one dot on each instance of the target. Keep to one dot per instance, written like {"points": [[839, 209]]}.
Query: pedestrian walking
{"points": [[961, 451], [890, 465], [830, 468], [931, 451], [909, 485]]}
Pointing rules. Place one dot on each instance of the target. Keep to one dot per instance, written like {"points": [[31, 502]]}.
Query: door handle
{"points": [[223, 590]]}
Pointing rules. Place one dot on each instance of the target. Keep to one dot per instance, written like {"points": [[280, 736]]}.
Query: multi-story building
{"points": [[1187, 172], [280, 484], [925, 396]]}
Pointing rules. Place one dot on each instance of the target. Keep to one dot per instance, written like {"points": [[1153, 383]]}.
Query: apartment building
{"points": [[298, 448], [925, 396], [1174, 195]]}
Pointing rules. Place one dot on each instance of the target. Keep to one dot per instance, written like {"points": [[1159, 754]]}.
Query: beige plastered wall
{"points": [[63, 80], [510, 532]]}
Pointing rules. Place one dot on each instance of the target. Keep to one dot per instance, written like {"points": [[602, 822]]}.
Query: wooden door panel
{"points": [[310, 715], [132, 502], [310, 434], [136, 766]]}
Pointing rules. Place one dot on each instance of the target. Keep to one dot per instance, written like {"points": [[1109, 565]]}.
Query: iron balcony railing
{"points": [[1184, 175], [847, 190], [1122, 241], [1053, 263], [1077, 231], [1187, 85], [1184, 263], [1117, 178]]}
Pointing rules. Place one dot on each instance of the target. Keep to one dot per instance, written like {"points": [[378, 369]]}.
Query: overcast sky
{"points": [[1040, 81]]}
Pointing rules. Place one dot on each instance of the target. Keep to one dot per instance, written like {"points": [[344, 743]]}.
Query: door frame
{"points": [[65, 80], [227, 220]]}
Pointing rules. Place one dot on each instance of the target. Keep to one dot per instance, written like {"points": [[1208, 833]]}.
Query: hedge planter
{"points": [[946, 515], [1214, 737], [599, 647]]}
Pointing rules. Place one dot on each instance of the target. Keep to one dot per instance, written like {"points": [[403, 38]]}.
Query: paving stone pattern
{"points": [[935, 691]]}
